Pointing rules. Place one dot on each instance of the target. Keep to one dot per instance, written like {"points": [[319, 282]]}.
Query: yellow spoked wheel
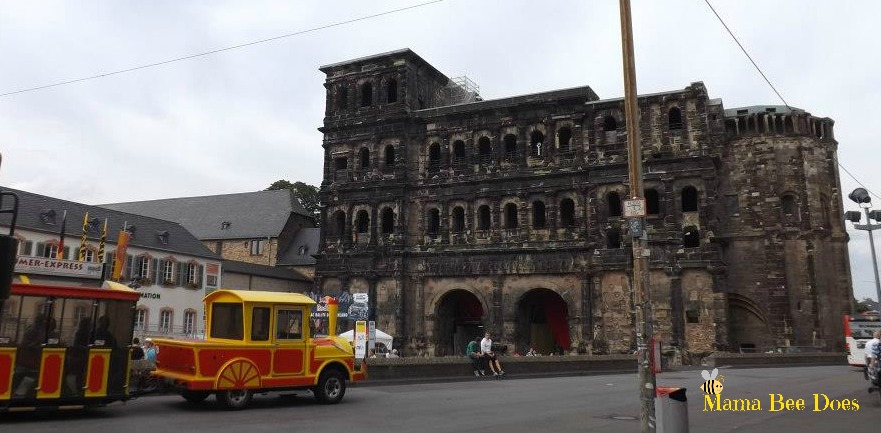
{"points": [[239, 374]]}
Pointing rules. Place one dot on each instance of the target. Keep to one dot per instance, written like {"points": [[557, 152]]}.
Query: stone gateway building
{"points": [[459, 215]]}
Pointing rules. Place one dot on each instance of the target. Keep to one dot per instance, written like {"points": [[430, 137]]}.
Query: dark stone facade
{"points": [[505, 215]]}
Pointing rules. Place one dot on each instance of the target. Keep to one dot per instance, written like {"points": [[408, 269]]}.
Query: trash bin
{"points": [[671, 410]]}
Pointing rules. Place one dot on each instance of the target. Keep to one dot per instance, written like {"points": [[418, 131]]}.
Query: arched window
{"points": [[459, 151], [610, 124], [674, 118], [691, 237], [614, 201], [510, 216], [141, 315], [364, 156], [510, 144], [689, 199], [362, 221], [458, 219], [565, 136], [390, 156], [433, 221], [567, 212], [788, 205], [536, 143], [166, 317], [434, 155], [339, 223], [366, 94], [388, 221], [189, 321], [342, 101], [613, 238], [539, 217], [485, 149], [391, 91], [652, 202], [484, 219]]}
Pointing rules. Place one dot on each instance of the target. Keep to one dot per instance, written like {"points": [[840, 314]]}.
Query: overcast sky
{"points": [[238, 120]]}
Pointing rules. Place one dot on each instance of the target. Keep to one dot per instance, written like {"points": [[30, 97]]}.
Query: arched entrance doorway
{"points": [[748, 326], [542, 322], [458, 319]]}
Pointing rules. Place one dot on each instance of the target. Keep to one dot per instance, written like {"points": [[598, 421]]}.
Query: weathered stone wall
{"points": [[240, 250], [516, 200], [252, 282]]}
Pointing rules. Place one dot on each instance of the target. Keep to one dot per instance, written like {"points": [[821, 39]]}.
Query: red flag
{"points": [[60, 254]]}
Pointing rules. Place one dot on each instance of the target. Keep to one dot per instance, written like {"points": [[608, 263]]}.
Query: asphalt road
{"points": [[573, 404]]}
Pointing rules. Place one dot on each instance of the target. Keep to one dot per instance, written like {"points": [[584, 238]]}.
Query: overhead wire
{"points": [[767, 80], [220, 50]]}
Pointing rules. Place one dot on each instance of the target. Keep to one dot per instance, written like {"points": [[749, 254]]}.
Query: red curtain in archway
{"points": [[558, 322]]}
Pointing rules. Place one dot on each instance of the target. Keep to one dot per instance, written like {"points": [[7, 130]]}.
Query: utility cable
{"points": [[742, 48], [220, 50]]}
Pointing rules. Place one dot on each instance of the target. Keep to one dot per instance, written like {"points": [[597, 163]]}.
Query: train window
{"points": [[226, 320], [260, 324], [289, 324]]}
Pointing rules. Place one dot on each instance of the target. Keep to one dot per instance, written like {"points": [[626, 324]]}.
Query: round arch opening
{"points": [[543, 323], [458, 319]]}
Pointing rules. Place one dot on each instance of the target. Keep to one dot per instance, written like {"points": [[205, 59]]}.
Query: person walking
{"points": [[486, 349]]}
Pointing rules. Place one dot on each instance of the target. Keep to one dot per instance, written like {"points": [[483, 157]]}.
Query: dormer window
{"points": [[302, 250], [225, 225], [47, 216], [163, 237]]}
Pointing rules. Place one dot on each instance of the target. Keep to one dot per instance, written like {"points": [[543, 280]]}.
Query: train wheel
{"points": [[234, 399], [331, 387], [194, 396]]}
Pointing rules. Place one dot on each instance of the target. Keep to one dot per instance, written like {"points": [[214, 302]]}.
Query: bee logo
{"points": [[713, 382]]}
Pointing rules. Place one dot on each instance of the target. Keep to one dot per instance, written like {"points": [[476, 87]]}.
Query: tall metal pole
{"points": [[639, 279], [869, 227]]}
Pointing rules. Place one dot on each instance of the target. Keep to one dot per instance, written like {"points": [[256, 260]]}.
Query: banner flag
{"points": [[102, 242], [81, 256], [121, 246], [60, 254]]}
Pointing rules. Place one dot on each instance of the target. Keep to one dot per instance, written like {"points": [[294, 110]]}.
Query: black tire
{"points": [[194, 396], [331, 387], [234, 399]]}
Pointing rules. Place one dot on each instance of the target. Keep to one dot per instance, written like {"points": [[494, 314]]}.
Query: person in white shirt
{"points": [[486, 348], [870, 347]]}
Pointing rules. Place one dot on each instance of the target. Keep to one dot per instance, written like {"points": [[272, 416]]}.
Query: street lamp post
{"points": [[861, 197]]}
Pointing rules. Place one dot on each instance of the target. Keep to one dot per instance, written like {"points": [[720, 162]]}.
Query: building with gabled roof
{"points": [[170, 267]]}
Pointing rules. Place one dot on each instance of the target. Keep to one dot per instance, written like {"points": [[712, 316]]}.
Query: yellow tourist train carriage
{"points": [[65, 346], [257, 342]]}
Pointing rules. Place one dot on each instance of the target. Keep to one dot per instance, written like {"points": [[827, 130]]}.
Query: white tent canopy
{"points": [[381, 337]]}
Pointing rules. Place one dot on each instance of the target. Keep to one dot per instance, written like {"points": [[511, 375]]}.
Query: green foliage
{"points": [[306, 194]]}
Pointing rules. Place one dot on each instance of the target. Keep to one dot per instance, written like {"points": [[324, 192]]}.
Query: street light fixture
{"points": [[861, 197]]}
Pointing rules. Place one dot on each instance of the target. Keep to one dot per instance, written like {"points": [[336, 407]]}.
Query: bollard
{"points": [[671, 410]]}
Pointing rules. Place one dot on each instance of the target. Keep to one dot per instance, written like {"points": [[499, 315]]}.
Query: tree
{"points": [[306, 194]]}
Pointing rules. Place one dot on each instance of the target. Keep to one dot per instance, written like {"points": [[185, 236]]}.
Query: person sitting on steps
{"points": [[476, 356], [486, 349]]}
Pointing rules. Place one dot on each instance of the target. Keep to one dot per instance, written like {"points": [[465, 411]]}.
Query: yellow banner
{"points": [[121, 246], [7, 367], [51, 366], [96, 373]]}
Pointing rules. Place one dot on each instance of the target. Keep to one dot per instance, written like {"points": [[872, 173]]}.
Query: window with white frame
{"points": [[144, 266], [257, 247], [168, 270], [189, 322], [89, 255], [51, 251], [191, 273], [141, 319], [165, 320]]}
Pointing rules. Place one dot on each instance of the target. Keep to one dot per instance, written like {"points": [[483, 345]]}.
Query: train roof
{"points": [[254, 296]]}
